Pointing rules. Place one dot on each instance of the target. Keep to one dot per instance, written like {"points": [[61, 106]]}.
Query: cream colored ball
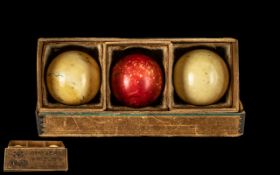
{"points": [[200, 77], [73, 78]]}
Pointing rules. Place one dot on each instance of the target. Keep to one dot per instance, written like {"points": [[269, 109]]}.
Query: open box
{"points": [[104, 116]]}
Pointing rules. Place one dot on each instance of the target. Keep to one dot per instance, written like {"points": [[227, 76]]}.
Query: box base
{"points": [[157, 124]]}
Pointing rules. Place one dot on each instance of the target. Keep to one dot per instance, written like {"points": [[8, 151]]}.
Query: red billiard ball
{"points": [[136, 80]]}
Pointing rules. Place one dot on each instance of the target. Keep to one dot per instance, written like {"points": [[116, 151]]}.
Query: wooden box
{"points": [[103, 116], [31, 156]]}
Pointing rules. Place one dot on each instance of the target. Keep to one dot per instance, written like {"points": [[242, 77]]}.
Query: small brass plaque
{"points": [[35, 156]]}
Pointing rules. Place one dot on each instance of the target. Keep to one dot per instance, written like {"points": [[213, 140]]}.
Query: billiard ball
{"points": [[136, 80], [73, 78], [200, 77]]}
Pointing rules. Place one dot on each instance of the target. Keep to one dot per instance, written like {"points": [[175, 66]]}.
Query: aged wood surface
{"points": [[141, 125]]}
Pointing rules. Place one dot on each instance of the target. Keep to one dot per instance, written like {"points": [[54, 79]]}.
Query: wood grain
{"points": [[142, 125]]}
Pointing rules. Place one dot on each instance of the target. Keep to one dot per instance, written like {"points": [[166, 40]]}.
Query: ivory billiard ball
{"points": [[200, 77], [73, 78]]}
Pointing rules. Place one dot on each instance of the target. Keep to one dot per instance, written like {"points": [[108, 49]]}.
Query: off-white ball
{"points": [[200, 77], [73, 78]]}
